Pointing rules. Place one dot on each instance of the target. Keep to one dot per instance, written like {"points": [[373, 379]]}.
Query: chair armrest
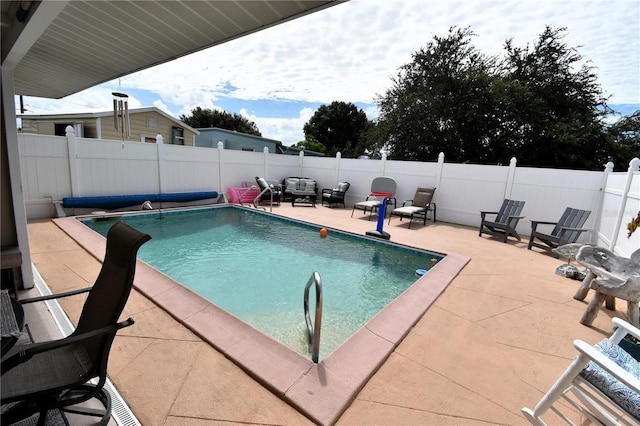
{"points": [[404, 203], [327, 191], [535, 223], [23, 354], [611, 367], [483, 214], [563, 229], [55, 296], [623, 328]]}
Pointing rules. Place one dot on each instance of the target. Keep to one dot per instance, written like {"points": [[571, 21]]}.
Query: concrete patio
{"points": [[492, 343]]}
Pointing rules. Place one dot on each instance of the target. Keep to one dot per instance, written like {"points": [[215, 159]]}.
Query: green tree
{"points": [[560, 108], [338, 127], [441, 101], [200, 118], [310, 145], [626, 136], [537, 104]]}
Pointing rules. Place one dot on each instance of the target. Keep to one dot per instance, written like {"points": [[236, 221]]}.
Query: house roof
{"points": [[233, 132], [76, 116], [57, 48]]}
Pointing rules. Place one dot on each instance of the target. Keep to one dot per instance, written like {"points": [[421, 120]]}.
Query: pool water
{"points": [[256, 266]]}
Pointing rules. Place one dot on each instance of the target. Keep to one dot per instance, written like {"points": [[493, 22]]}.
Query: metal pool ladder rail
{"points": [[313, 331]]}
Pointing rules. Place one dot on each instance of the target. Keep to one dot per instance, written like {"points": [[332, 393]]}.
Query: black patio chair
{"points": [[565, 231], [505, 222], [269, 192], [335, 195], [56, 375]]}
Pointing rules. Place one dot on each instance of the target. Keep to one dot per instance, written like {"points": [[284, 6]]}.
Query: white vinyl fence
{"points": [[55, 167]]}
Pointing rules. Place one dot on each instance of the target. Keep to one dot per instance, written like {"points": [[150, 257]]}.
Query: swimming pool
{"points": [[255, 266], [321, 391]]}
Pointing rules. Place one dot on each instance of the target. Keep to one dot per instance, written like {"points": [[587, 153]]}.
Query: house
{"points": [[210, 136], [144, 126]]}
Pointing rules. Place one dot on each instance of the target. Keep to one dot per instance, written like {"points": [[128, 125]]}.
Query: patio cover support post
{"points": [[15, 176]]}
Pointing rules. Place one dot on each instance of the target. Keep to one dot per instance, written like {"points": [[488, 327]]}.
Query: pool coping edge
{"points": [[321, 392]]}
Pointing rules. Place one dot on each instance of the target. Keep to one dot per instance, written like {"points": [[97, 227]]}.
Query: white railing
{"points": [[55, 167]]}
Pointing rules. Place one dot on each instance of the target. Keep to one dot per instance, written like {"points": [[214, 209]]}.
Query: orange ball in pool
{"points": [[323, 233]]}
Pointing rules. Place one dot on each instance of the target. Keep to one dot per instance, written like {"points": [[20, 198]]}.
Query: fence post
{"points": [[265, 152], [338, 157], [300, 163], [510, 177], [634, 166], [439, 169], [70, 133], [608, 168], [160, 160], [220, 171], [384, 163]]}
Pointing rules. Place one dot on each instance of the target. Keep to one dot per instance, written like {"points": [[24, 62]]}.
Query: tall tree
{"points": [[626, 136], [560, 115], [310, 145], [214, 118], [538, 105], [440, 102], [338, 127]]}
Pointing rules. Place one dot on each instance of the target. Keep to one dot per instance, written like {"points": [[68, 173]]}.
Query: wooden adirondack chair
{"points": [[505, 222], [565, 231]]}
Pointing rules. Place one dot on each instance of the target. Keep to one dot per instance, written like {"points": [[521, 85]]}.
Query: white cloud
{"points": [[349, 53], [287, 130]]}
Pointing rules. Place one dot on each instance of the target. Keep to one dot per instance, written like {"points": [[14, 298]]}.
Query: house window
{"points": [[152, 122], [61, 129], [177, 135]]}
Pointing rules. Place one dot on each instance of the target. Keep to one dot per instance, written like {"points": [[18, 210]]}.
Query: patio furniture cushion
{"points": [[335, 195], [609, 385], [602, 383], [292, 183], [419, 206]]}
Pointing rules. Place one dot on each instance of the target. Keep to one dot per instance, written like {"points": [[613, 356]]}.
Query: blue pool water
{"points": [[256, 266]]}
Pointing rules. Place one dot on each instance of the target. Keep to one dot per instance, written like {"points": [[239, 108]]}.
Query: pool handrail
{"points": [[313, 331]]}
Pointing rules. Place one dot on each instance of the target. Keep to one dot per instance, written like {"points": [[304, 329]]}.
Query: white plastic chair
{"points": [[602, 383]]}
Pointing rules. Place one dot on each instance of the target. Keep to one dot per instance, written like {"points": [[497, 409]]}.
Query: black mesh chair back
{"points": [[42, 376]]}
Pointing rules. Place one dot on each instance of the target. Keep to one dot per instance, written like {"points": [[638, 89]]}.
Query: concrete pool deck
{"points": [[497, 337]]}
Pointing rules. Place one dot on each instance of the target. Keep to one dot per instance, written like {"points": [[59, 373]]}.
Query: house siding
{"points": [[139, 126], [103, 127], [209, 137]]}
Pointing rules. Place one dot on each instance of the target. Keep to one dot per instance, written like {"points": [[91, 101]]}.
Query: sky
{"points": [[278, 77]]}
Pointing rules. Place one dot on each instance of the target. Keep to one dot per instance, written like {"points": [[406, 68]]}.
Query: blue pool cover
{"points": [[112, 202]]}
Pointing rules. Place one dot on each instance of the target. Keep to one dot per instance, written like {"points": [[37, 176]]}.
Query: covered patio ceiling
{"points": [[57, 48]]}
